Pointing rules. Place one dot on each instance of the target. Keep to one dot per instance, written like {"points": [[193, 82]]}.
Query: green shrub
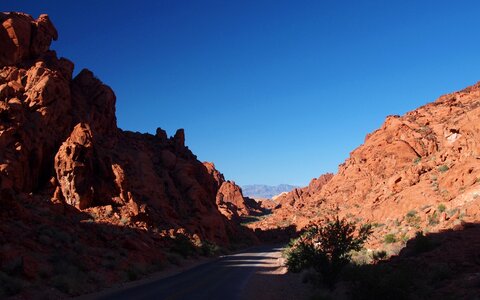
{"points": [[417, 160], [433, 219], [135, 271], [300, 256], [390, 238], [441, 207], [183, 245], [404, 237], [412, 218], [361, 257], [443, 168], [209, 249], [411, 213], [326, 248]]}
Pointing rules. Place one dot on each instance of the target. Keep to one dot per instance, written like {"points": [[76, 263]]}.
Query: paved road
{"points": [[222, 279]]}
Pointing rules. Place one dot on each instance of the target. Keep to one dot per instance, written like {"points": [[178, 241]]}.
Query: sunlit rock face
{"points": [[59, 137], [408, 168]]}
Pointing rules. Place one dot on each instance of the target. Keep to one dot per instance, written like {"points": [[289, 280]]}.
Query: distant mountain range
{"points": [[265, 191]]}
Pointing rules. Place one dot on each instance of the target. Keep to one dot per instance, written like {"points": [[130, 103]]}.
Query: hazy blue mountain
{"points": [[265, 191]]}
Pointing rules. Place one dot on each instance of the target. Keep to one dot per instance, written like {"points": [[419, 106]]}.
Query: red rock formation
{"points": [[403, 173], [290, 208], [230, 200], [72, 181], [58, 136], [24, 38], [294, 199]]}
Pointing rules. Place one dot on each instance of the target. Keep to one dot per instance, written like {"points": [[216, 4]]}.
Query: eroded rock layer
{"points": [[59, 142], [420, 171]]}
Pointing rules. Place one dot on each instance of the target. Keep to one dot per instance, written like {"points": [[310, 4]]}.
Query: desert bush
{"points": [[441, 207], [174, 258], [183, 245], [411, 214], [433, 219], [404, 237], [412, 218], [379, 255], [377, 225], [361, 257], [300, 255], [209, 249], [326, 249], [417, 160], [443, 168], [390, 238], [135, 271]]}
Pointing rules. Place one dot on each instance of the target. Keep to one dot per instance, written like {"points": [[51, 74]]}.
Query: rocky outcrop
{"points": [[23, 38], [419, 171], [292, 208], [84, 175], [84, 204], [295, 199], [230, 200], [59, 138]]}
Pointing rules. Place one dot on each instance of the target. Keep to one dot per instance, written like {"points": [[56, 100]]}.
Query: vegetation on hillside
{"points": [[327, 249]]}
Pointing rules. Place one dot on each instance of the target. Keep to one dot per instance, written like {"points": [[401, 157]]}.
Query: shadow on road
{"points": [[225, 278]]}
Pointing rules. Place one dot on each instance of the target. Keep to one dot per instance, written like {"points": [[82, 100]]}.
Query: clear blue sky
{"points": [[271, 91]]}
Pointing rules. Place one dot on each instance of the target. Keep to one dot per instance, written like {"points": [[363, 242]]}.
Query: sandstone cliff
{"points": [[59, 133], [230, 200], [71, 180], [420, 171]]}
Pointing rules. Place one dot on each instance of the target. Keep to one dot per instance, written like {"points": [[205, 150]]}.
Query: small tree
{"points": [[327, 248]]}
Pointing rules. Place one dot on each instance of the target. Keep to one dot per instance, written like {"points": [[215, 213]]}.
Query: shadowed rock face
{"points": [[59, 138], [405, 171], [230, 200]]}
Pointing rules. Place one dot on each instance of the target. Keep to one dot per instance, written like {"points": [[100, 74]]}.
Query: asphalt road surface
{"points": [[225, 278]]}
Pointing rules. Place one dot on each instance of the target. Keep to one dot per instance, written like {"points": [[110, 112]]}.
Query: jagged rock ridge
{"points": [[420, 171], [72, 182], [59, 137]]}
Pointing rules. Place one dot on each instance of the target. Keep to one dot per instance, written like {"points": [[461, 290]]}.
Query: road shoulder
{"points": [[274, 282]]}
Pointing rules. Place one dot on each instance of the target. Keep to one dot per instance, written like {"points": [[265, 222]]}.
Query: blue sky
{"points": [[271, 91]]}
